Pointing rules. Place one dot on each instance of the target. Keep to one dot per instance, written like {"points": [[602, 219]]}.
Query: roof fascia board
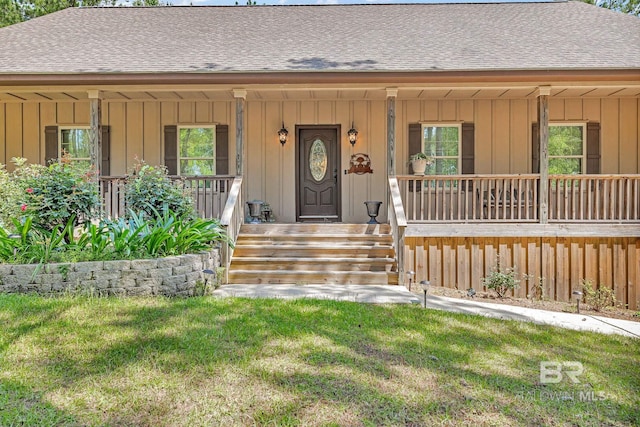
{"points": [[517, 76]]}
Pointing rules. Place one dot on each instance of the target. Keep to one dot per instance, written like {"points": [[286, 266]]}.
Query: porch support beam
{"points": [[241, 96], [392, 94], [543, 139], [95, 133]]}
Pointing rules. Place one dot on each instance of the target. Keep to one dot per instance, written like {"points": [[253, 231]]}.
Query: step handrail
{"points": [[231, 220], [398, 222]]}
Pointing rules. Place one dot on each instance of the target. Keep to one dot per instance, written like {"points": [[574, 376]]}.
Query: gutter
{"points": [[332, 77]]}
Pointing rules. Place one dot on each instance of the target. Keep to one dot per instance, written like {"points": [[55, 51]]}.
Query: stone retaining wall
{"points": [[171, 276]]}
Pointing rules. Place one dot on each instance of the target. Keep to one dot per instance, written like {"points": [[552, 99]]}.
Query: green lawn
{"points": [[201, 361]]}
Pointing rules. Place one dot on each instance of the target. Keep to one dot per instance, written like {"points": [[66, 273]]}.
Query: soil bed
{"points": [[613, 312]]}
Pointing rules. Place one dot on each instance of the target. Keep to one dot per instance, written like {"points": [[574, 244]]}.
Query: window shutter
{"points": [[222, 150], [171, 149], [106, 151], [593, 148], [415, 139], [535, 149], [50, 144], [468, 148]]}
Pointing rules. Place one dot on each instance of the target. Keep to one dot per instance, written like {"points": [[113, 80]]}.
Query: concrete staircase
{"points": [[358, 254]]}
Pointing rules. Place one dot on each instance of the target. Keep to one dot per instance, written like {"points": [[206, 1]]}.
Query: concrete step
{"points": [[311, 277], [312, 251], [299, 228], [314, 254], [314, 264], [311, 238]]}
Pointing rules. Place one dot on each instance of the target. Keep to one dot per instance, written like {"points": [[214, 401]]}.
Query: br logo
{"points": [[552, 372]]}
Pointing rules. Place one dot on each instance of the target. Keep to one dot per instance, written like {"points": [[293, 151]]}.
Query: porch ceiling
{"points": [[152, 93]]}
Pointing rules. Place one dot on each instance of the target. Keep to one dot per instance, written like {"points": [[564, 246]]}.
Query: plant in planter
{"points": [[419, 163]]}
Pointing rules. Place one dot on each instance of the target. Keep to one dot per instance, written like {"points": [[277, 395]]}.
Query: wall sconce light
{"points": [[353, 135], [283, 134]]}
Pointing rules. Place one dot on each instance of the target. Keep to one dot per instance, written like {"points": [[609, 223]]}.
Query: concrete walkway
{"points": [[378, 294], [578, 322], [385, 294]]}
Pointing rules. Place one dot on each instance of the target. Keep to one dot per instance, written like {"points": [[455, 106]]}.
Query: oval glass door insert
{"points": [[318, 160]]}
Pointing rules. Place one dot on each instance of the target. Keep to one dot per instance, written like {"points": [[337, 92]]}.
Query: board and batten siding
{"points": [[503, 129], [502, 136], [559, 264], [136, 126], [270, 168]]}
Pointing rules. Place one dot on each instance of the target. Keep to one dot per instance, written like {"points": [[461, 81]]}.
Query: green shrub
{"points": [[148, 189], [163, 235], [13, 188], [501, 279], [59, 193], [599, 298], [131, 238]]}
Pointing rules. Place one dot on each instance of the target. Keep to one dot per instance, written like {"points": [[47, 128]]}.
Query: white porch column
{"points": [[392, 93], [241, 96], [543, 140], [95, 133]]}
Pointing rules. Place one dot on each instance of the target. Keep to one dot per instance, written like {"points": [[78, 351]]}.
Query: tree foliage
{"points": [[14, 11], [632, 7]]}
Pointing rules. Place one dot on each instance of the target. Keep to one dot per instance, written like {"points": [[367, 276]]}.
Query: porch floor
{"points": [[510, 229]]}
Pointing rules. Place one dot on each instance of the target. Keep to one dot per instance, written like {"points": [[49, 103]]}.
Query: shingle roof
{"points": [[388, 38]]}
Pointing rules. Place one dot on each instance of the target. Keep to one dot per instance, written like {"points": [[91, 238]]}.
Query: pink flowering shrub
{"points": [[52, 194]]}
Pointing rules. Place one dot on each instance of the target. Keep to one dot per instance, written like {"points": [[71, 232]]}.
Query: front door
{"points": [[318, 180]]}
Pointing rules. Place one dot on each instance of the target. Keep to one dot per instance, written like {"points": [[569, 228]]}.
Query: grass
{"points": [[172, 362]]}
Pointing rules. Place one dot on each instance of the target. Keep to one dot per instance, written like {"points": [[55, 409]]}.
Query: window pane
{"points": [[565, 166], [443, 167], [441, 141], [197, 167], [76, 142], [197, 142], [565, 140]]}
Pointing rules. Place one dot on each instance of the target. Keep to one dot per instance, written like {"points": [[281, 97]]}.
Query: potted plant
{"points": [[419, 163]]}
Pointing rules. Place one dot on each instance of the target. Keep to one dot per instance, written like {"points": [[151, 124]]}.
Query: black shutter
{"points": [[535, 149], [171, 149], [222, 150], [106, 151], [415, 139], [50, 144], [593, 148], [468, 148]]}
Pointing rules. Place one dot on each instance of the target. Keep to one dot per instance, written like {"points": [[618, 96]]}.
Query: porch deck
{"points": [[456, 230], [521, 230]]}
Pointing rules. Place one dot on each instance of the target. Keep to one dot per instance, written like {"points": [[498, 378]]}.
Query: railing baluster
{"points": [[515, 198]]}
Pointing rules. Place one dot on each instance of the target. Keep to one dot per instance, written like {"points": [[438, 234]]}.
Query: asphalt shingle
{"points": [[388, 38]]}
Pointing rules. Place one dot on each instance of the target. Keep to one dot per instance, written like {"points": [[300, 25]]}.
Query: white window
{"points": [[567, 142], [197, 150], [442, 143], [75, 143]]}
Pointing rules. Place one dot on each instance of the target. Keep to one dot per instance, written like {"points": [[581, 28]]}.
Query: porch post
{"points": [[240, 95], [95, 133], [543, 139], [392, 93]]}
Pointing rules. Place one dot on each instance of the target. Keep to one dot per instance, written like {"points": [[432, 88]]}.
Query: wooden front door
{"points": [[318, 180]]}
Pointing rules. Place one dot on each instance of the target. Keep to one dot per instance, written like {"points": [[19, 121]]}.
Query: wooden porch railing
{"points": [[469, 198], [398, 225], [515, 198], [232, 219], [607, 198], [209, 194]]}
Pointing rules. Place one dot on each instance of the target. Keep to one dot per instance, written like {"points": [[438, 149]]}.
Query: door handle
{"points": [[335, 175]]}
